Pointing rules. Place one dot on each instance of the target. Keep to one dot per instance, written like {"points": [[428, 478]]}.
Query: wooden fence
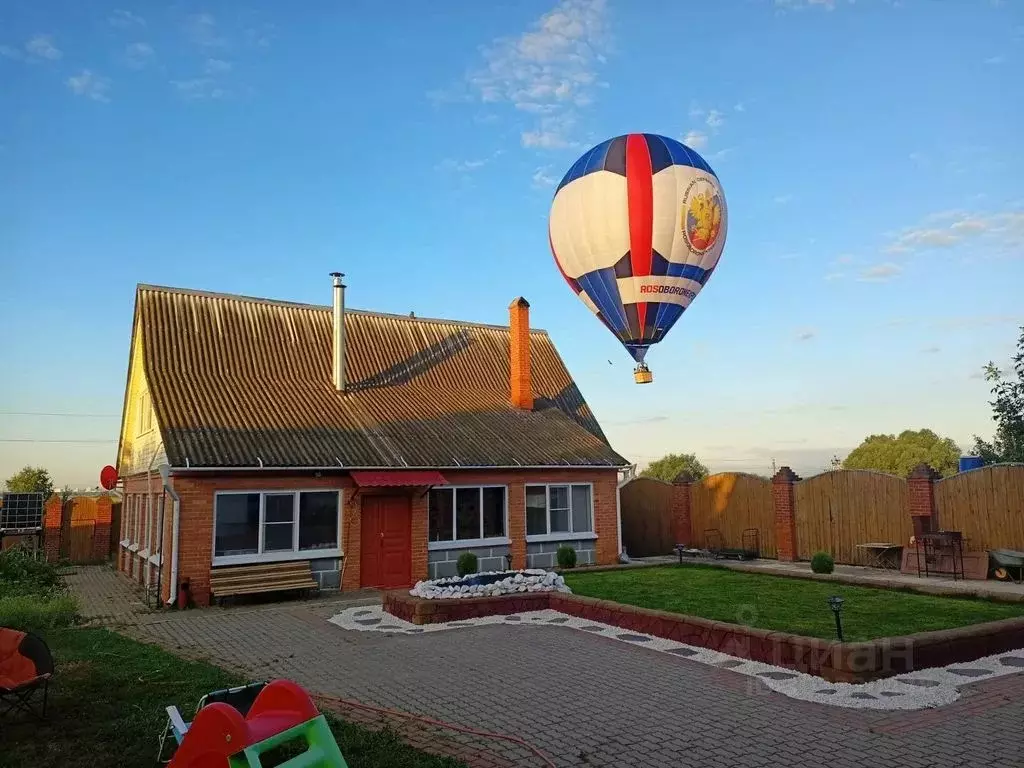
{"points": [[732, 502], [646, 508], [834, 511], [79, 529], [987, 504]]}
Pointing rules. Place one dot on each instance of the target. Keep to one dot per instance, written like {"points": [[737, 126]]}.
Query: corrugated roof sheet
{"points": [[243, 382]]}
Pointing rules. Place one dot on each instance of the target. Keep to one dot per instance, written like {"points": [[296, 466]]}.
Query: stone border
{"points": [[913, 690], [834, 661]]}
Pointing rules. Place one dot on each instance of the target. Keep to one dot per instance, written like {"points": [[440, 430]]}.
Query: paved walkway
{"points": [[585, 700], [855, 574]]}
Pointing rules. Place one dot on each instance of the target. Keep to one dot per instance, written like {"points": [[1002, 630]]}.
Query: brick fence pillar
{"points": [[682, 520], [921, 496], [51, 528], [101, 529], [517, 523], [785, 513]]}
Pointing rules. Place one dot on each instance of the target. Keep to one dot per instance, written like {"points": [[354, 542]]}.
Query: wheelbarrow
{"points": [[1004, 562]]}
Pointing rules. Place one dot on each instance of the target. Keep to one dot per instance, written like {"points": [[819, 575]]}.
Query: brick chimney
{"points": [[520, 385]]}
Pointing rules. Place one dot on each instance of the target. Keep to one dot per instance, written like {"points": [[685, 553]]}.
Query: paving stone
{"points": [[1012, 661], [368, 622], [892, 694], [826, 691], [592, 628], [730, 663], [560, 620], [682, 651], [862, 695], [969, 671], [777, 675], [634, 638], [921, 682]]}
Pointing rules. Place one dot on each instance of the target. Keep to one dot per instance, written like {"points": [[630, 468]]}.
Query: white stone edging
{"points": [[454, 587]]}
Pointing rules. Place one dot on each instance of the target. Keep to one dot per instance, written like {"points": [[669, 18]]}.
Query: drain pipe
{"points": [[165, 471]]}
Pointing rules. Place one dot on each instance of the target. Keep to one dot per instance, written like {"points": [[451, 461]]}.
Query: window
{"points": [[558, 509], [466, 513], [145, 420], [274, 523]]}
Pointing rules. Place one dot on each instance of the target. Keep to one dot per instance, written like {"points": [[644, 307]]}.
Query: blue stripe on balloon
{"points": [[683, 156], [661, 158], [589, 162], [689, 271], [665, 319], [602, 289]]}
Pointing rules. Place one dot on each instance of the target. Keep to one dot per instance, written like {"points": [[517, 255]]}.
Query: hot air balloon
{"points": [[637, 226]]}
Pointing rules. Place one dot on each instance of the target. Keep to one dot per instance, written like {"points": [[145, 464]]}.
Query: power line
{"points": [[72, 415]]}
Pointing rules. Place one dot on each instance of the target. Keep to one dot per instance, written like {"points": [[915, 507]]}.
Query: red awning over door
{"points": [[398, 478]]}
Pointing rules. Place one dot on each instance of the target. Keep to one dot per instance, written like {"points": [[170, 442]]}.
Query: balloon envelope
{"points": [[637, 226]]}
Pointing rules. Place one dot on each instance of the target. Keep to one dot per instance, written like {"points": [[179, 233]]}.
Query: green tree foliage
{"points": [[669, 466], [31, 480], [899, 454], [1007, 411]]}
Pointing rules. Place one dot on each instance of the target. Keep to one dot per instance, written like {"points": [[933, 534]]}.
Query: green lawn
{"points": [[107, 709], [786, 604]]}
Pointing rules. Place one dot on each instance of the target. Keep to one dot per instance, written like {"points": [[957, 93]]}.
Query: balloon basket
{"points": [[642, 375]]}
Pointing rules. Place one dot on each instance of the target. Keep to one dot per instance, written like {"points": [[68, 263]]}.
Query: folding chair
{"points": [[240, 697], [26, 666]]}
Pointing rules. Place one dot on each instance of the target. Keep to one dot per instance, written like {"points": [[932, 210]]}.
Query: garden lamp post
{"points": [[835, 603]]}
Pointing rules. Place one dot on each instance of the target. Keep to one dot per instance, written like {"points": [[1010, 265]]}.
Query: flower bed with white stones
{"points": [[490, 584]]}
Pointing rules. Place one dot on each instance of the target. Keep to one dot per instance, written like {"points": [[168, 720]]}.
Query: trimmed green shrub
{"points": [[822, 562], [566, 556], [30, 614], [467, 564]]}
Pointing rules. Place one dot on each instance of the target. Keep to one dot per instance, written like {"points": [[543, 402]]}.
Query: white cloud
{"points": [[696, 110], [806, 335], [722, 154], [917, 158], [542, 178], [123, 19], [948, 229], [551, 133], [466, 166], [740, 107], [201, 29], [783, 199], [139, 55], [695, 139], [796, 5], [549, 70], [880, 273], [216, 66], [199, 89], [715, 119], [11, 53], [993, 60], [41, 46], [835, 276], [89, 84]]}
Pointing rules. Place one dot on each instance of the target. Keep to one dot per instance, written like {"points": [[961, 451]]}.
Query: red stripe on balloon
{"points": [[640, 197]]}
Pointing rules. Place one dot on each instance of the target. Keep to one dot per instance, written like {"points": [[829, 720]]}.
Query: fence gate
{"points": [[83, 525]]}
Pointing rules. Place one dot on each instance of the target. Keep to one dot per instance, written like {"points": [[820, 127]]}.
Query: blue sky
{"points": [[870, 154]]}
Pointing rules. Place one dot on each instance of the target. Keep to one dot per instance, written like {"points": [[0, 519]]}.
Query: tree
{"points": [[1007, 412], [899, 454], [669, 466], [31, 480]]}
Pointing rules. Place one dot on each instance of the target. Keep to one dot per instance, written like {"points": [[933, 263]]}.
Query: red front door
{"points": [[386, 555]]}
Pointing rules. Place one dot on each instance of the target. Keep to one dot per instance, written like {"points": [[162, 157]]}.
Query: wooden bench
{"points": [[232, 581]]}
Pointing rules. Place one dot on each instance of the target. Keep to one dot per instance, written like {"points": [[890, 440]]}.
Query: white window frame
{"points": [[569, 535], [280, 555], [493, 541], [134, 546]]}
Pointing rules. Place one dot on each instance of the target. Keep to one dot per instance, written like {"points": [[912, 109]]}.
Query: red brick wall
{"points": [[682, 521], [196, 522], [51, 529], [785, 513]]}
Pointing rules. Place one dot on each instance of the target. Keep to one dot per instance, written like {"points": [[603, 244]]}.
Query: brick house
{"points": [[375, 447]]}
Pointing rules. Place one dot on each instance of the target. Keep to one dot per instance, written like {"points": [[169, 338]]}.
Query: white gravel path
{"points": [[914, 690]]}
